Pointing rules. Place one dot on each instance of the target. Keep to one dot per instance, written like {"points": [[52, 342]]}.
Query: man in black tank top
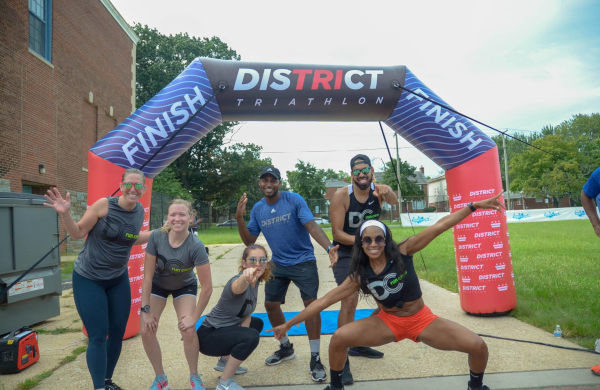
{"points": [[350, 206]]}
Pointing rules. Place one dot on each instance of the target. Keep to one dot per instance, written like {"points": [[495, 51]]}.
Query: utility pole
{"points": [[398, 172], [506, 169]]}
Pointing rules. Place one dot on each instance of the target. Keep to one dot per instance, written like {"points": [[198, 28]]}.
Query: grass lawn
{"points": [[557, 274], [66, 269]]}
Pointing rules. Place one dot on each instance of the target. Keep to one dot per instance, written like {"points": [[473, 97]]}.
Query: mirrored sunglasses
{"points": [[128, 185], [379, 240], [253, 260], [357, 172]]}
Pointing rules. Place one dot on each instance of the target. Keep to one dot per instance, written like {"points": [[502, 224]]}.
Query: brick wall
{"points": [[46, 116], [78, 207]]}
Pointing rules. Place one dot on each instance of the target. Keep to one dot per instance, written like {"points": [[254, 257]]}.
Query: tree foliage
{"points": [[407, 178], [307, 180], [168, 183]]}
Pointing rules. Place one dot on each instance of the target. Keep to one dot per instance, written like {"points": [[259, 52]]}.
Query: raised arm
{"points": [[415, 243], [590, 210], [77, 230], [247, 237], [385, 193], [339, 293]]}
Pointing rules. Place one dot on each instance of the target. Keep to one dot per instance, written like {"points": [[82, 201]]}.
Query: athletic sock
{"points": [[475, 380], [285, 342], [315, 345], [336, 378]]}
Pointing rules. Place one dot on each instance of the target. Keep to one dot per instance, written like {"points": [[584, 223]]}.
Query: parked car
{"points": [[228, 223], [321, 221]]}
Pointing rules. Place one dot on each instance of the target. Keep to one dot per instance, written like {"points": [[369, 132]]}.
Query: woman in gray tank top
{"points": [[100, 279], [171, 256]]}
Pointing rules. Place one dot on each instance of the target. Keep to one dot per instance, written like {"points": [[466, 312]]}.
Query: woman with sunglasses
{"points": [[100, 278], [229, 330], [384, 269], [171, 256]]}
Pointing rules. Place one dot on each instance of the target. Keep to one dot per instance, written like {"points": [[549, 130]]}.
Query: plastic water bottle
{"points": [[557, 332]]}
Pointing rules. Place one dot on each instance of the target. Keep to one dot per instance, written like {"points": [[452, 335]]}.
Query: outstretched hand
{"points": [[381, 190], [241, 207], [491, 203], [333, 256], [280, 331], [250, 275], [56, 201]]}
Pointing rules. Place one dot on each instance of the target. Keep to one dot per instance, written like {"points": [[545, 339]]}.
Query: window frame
{"points": [[47, 55]]}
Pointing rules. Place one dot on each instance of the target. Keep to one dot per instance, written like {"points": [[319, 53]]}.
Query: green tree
{"points": [[339, 175], [407, 178], [307, 180], [168, 183], [544, 175]]}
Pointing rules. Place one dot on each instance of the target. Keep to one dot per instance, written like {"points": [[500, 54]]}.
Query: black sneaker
{"points": [[332, 387], [110, 385], [317, 369], [482, 387], [347, 378], [284, 353], [365, 352]]}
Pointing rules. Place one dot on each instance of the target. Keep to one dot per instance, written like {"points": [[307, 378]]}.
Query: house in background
{"points": [[438, 194]]}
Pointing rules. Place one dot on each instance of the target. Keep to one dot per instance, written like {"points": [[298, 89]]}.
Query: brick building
{"points": [[67, 77]]}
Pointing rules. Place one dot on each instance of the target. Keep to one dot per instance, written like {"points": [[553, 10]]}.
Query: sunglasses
{"points": [[357, 172], [253, 260], [128, 185], [379, 240]]}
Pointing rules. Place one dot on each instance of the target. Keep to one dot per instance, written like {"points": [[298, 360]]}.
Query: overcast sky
{"points": [[519, 65]]}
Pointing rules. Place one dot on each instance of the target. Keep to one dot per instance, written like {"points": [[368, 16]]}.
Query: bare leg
{"points": [[275, 313], [184, 306], [313, 324], [149, 340], [450, 336], [229, 371], [347, 310]]}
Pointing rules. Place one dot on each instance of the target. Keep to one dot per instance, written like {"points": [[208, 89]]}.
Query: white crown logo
{"points": [[503, 287], [462, 238], [498, 245], [457, 197], [466, 280], [495, 224], [500, 266], [464, 259]]}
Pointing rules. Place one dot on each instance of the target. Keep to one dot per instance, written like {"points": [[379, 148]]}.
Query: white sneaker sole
{"points": [[282, 360], [316, 379], [237, 372]]}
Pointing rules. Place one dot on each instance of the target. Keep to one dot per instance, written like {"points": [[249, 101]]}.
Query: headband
{"points": [[372, 222]]}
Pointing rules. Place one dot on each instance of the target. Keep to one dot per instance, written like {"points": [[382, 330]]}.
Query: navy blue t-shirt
{"points": [[592, 187], [282, 223]]}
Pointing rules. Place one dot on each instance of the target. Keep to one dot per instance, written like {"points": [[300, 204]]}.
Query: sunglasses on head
{"points": [[128, 185], [357, 172], [253, 260], [379, 240]]}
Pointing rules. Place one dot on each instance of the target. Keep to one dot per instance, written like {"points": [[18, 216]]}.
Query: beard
{"points": [[362, 186]]}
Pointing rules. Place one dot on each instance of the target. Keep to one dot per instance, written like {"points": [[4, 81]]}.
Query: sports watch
{"points": [[329, 247], [146, 308]]}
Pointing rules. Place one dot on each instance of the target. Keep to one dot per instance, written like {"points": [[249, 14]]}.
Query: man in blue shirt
{"points": [[286, 222], [591, 190]]}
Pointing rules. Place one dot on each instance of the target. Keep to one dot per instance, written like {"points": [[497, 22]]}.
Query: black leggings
{"points": [[103, 306], [237, 341]]}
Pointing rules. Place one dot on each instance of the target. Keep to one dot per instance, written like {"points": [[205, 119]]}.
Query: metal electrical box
{"points": [[28, 230]]}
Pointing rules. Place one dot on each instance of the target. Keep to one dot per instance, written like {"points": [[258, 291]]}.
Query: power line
{"points": [[329, 151]]}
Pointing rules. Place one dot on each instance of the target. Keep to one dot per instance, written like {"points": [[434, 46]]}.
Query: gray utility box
{"points": [[28, 230]]}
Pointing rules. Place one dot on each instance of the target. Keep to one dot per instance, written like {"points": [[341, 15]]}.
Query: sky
{"points": [[516, 65]]}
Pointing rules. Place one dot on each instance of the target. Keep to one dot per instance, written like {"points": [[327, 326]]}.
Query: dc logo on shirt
{"points": [[390, 285]]}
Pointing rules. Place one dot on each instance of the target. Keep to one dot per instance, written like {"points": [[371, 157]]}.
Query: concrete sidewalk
{"points": [[406, 365]]}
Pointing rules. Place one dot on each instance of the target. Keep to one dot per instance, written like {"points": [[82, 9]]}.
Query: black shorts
{"points": [[190, 289], [342, 267], [304, 275]]}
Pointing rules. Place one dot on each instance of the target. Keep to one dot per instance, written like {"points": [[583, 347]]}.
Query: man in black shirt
{"points": [[350, 206]]}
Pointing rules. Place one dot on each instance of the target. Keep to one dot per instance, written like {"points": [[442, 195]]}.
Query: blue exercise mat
{"points": [[328, 322]]}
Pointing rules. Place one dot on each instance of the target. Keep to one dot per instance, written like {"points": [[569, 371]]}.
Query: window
{"points": [[40, 27], [418, 204], [27, 189], [539, 200]]}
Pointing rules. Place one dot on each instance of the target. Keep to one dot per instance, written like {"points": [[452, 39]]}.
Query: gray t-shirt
{"points": [[232, 309], [175, 266], [106, 250]]}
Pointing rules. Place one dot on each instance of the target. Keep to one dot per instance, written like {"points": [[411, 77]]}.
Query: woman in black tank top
{"points": [[384, 269]]}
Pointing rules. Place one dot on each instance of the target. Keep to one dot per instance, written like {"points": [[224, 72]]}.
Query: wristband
{"points": [[329, 247], [470, 205]]}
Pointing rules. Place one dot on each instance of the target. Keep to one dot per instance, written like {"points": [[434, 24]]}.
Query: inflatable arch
{"points": [[247, 91]]}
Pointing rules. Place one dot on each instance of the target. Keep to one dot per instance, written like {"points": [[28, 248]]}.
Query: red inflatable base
{"points": [[482, 247], [103, 180]]}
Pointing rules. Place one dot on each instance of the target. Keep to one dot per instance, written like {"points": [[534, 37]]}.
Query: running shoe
{"points": [[196, 382], [284, 353], [482, 387], [222, 363], [161, 382], [332, 387], [110, 385], [347, 378], [316, 368], [596, 370], [597, 345], [229, 384], [365, 352]]}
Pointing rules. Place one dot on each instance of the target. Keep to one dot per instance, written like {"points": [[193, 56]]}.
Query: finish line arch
{"points": [[251, 91]]}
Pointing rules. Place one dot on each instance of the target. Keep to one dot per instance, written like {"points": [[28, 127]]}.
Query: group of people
{"points": [[365, 259]]}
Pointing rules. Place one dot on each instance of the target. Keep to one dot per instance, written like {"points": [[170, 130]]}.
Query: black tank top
{"points": [[359, 212], [392, 290]]}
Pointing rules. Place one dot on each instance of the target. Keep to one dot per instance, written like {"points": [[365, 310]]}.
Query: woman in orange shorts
{"points": [[384, 269]]}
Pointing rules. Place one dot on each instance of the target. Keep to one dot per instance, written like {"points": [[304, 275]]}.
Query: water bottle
{"points": [[557, 332]]}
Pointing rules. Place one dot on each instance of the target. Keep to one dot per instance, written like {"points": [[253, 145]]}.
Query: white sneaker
{"points": [[597, 345], [221, 367], [229, 384]]}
